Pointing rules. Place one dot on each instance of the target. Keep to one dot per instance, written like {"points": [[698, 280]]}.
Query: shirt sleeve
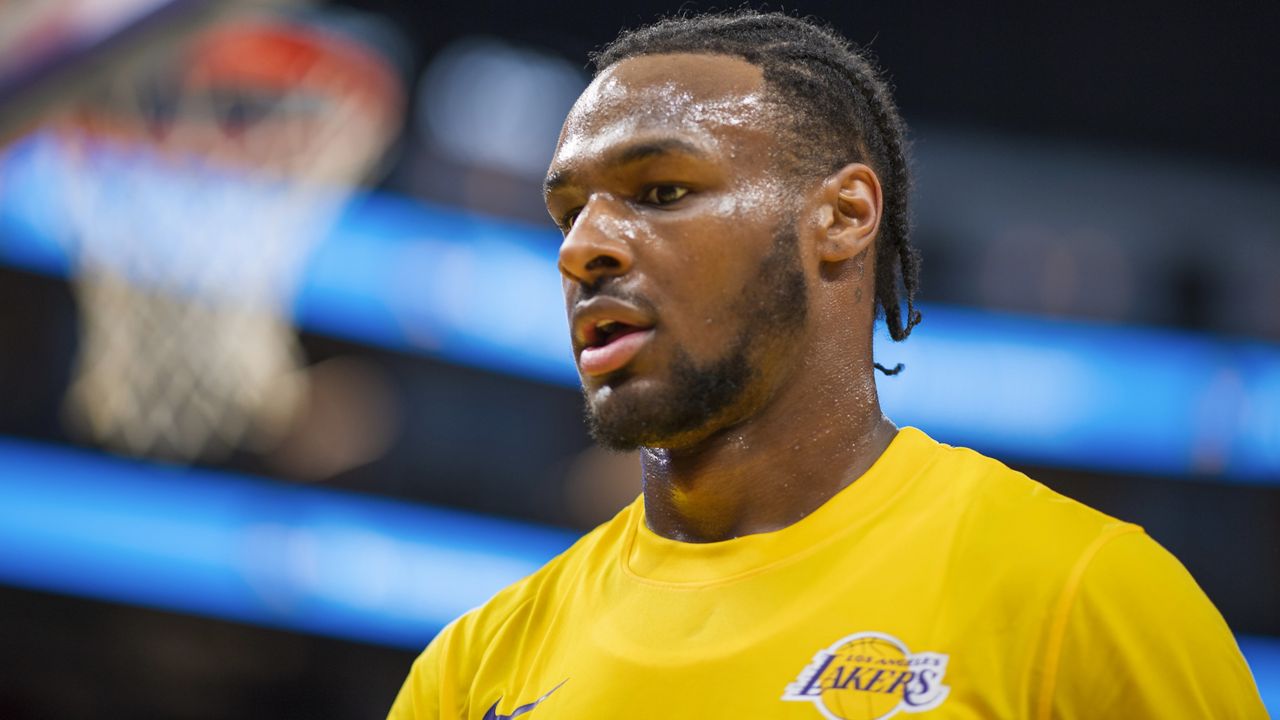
{"points": [[419, 696], [1139, 639]]}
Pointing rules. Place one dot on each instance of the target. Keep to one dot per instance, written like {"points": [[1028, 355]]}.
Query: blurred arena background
{"points": [[284, 372]]}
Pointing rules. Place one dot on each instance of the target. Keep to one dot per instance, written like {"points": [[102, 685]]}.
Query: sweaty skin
{"points": [[672, 185]]}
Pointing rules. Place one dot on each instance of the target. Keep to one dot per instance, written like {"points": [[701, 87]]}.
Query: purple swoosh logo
{"points": [[493, 711]]}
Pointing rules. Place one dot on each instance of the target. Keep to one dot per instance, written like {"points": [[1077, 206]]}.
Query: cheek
{"points": [[706, 264], [706, 282], [705, 324]]}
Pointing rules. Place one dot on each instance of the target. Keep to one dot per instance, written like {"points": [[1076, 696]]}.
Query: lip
{"points": [[604, 359], [596, 359], [587, 315]]}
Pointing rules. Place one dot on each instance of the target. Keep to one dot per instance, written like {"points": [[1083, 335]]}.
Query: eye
{"points": [[566, 222], [665, 194]]}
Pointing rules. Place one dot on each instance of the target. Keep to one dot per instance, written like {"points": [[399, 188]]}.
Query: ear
{"points": [[852, 203]]}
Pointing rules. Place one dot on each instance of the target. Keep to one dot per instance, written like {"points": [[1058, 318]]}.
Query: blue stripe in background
{"points": [[251, 550], [1263, 655], [408, 276], [256, 551]]}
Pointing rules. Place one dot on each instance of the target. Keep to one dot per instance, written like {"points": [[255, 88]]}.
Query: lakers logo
{"points": [[870, 676]]}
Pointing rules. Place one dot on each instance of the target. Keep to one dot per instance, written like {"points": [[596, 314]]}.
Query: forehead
{"points": [[707, 96]]}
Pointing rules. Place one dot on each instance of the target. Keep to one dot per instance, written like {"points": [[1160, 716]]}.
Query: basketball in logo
{"points": [[860, 659]]}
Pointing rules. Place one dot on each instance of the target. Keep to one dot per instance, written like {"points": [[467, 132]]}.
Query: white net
{"points": [[186, 344], [188, 244]]}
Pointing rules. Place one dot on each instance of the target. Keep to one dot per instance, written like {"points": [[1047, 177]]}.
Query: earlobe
{"points": [[853, 205]]}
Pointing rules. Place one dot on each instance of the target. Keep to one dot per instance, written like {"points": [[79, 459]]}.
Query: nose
{"points": [[592, 250]]}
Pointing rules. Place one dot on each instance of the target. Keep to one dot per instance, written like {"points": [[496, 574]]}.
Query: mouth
{"points": [[609, 344], [609, 331], [605, 332]]}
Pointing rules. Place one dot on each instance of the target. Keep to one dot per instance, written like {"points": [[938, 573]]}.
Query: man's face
{"points": [[681, 264]]}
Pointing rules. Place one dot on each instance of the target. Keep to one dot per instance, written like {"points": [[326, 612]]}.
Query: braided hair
{"points": [[828, 87]]}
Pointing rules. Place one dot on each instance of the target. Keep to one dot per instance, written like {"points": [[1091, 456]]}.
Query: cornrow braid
{"points": [[827, 86]]}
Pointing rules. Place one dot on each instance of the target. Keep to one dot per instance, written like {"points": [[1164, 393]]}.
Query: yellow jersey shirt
{"points": [[940, 584]]}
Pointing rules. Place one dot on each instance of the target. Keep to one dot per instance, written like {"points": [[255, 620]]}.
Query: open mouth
{"points": [[610, 345], [607, 331]]}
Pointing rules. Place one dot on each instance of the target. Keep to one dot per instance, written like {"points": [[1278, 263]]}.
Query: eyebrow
{"points": [[628, 155]]}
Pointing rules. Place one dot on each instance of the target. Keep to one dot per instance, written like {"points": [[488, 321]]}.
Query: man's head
{"points": [[721, 185]]}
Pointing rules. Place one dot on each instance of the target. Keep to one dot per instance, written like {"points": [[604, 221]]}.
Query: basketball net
{"points": [[196, 189]]}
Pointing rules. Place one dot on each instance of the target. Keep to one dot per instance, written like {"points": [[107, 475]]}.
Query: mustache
{"points": [[607, 288]]}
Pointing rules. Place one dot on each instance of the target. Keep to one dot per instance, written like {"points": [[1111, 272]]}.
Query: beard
{"points": [[700, 400]]}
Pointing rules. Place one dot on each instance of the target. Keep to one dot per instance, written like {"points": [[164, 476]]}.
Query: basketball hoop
{"points": [[196, 188]]}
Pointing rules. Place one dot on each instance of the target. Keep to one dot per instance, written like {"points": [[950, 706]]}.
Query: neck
{"points": [[792, 456]]}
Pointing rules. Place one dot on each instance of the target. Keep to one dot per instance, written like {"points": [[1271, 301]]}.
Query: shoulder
{"points": [[1005, 537], [439, 683], [997, 508], [1132, 610], [1111, 601], [590, 554]]}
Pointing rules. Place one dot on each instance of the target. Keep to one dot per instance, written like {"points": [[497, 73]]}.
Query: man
{"points": [[732, 190]]}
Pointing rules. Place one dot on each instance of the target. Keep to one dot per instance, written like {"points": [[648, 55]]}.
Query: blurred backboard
{"points": [[196, 151], [51, 50]]}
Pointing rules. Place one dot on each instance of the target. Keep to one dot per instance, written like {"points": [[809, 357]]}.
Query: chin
{"points": [[625, 413], [629, 412]]}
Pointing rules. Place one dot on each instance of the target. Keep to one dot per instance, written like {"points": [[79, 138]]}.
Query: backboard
{"points": [[51, 50]]}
